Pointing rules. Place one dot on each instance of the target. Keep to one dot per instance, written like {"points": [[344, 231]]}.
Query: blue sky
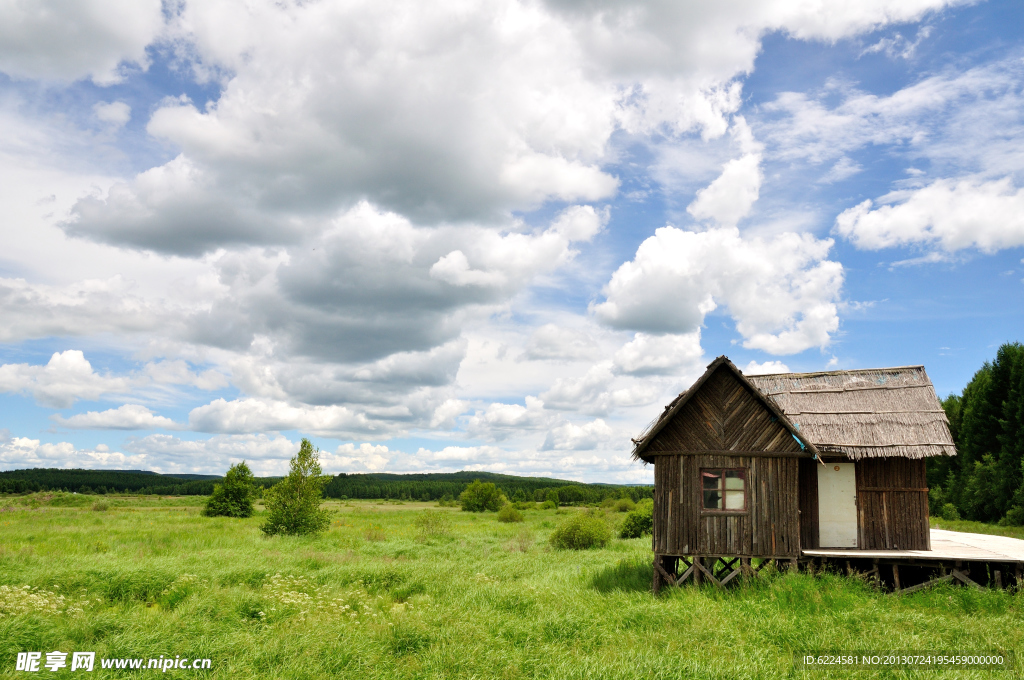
{"points": [[494, 236]]}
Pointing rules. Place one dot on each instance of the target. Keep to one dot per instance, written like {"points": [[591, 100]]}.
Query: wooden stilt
{"points": [[896, 577]]}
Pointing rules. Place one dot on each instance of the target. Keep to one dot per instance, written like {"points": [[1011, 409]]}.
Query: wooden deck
{"points": [[946, 546]]}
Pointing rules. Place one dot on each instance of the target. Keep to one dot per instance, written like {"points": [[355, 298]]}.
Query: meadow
{"points": [[411, 590]]}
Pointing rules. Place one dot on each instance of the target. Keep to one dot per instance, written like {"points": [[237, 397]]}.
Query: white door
{"points": [[837, 505]]}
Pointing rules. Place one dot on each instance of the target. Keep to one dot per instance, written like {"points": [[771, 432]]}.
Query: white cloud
{"points": [[571, 437], [730, 197], [947, 214], [445, 414], [22, 452], [127, 417], [64, 41], [500, 421], [781, 291], [765, 368], [115, 113], [248, 415], [66, 378], [266, 456], [554, 341], [599, 392], [649, 354], [352, 458]]}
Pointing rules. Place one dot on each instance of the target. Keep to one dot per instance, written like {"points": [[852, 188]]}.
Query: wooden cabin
{"points": [[767, 466]]}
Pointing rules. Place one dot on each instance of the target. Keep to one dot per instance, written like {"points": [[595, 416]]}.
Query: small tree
{"points": [[480, 496], [234, 497], [293, 504]]}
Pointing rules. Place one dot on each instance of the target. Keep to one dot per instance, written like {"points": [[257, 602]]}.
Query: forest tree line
{"points": [[985, 480], [418, 487]]}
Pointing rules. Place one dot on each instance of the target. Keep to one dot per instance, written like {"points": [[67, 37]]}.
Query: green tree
{"points": [[480, 496], [232, 498], [293, 505]]}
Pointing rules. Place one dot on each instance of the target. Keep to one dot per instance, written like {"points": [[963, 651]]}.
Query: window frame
{"points": [[722, 470]]}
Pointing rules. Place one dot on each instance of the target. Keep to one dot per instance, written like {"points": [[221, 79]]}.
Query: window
{"points": [[724, 490]]}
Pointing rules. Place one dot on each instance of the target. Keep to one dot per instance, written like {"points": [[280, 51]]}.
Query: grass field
{"points": [[389, 594]]}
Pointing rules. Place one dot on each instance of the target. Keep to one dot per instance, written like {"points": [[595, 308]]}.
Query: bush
{"points": [[640, 521], [100, 506], [447, 501], [293, 504], [582, 531], [548, 505], [508, 513], [234, 497], [625, 505], [553, 497], [1015, 517], [524, 505], [434, 524], [609, 502], [949, 512], [480, 496]]}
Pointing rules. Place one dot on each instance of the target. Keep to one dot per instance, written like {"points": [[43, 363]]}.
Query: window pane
{"points": [[712, 479], [734, 479], [733, 500], [712, 500]]}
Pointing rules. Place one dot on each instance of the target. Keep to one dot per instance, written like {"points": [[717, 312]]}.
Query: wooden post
{"points": [[896, 576], [698, 575], [999, 578], [656, 583], [745, 567], [878, 576]]}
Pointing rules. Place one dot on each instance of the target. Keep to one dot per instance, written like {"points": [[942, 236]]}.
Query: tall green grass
{"points": [[463, 597]]}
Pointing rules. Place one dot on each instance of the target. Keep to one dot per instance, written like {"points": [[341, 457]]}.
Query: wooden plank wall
{"points": [[724, 415], [892, 503], [809, 537], [769, 528]]}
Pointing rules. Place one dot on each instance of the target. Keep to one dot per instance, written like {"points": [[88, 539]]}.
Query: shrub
{"points": [[640, 521], [1015, 517], [524, 505], [293, 504], [553, 497], [548, 505], [625, 505], [480, 496], [949, 512], [434, 524], [447, 501], [508, 513], [609, 502], [234, 497], [582, 531], [101, 506]]}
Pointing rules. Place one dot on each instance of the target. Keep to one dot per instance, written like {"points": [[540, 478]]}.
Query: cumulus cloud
{"points": [[500, 421], [649, 354], [765, 368], [65, 41], [116, 113], [571, 437], [22, 452], [949, 215], [266, 455], [248, 415], [598, 392], [781, 291], [127, 417], [552, 341], [90, 307], [67, 377]]}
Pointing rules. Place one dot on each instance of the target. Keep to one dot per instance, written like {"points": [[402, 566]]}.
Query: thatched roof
{"points": [[866, 413]]}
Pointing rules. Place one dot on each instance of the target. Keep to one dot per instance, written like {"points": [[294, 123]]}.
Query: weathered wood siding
{"points": [[809, 537], [892, 504], [769, 528], [724, 415]]}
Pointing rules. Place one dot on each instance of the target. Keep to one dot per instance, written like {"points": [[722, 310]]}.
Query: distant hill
{"points": [[422, 486], [437, 485]]}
